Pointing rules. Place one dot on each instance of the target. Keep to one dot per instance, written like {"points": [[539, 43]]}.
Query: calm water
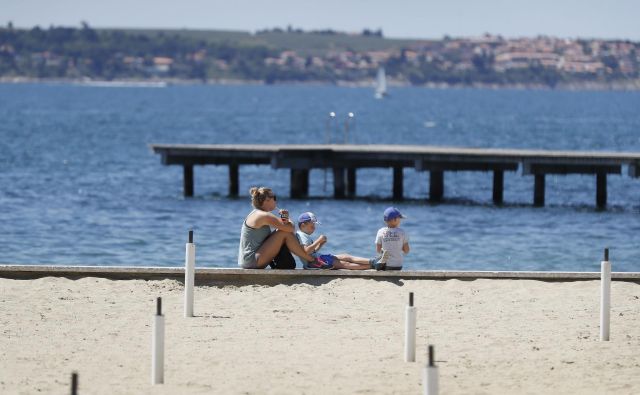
{"points": [[79, 185]]}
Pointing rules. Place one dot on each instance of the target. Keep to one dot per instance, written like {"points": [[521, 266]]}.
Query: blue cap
{"points": [[391, 213], [308, 217]]}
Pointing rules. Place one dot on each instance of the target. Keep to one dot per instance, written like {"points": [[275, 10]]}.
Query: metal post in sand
{"points": [[605, 296], [157, 346], [430, 375], [74, 383], [189, 275], [410, 331]]}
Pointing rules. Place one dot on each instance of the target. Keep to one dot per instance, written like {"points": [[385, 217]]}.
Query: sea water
{"points": [[79, 184]]}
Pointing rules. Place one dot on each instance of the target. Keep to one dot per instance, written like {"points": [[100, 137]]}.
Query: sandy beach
{"points": [[342, 336]]}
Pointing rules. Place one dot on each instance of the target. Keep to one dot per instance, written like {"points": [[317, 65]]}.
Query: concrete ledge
{"points": [[231, 275]]}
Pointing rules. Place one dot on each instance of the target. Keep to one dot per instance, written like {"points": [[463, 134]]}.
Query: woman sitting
{"points": [[258, 244]]}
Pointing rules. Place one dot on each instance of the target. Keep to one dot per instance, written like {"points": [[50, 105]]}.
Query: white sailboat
{"points": [[381, 84]]}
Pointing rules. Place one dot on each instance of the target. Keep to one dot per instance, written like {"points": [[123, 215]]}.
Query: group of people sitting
{"points": [[267, 239]]}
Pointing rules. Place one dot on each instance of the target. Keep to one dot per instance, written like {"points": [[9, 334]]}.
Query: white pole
{"points": [[410, 331], [430, 376], [605, 296], [157, 346], [189, 275]]}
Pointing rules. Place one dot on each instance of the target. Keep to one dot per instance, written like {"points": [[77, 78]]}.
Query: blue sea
{"points": [[79, 184]]}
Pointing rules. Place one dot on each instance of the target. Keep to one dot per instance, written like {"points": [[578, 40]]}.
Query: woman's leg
{"points": [[269, 249], [271, 246], [294, 246]]}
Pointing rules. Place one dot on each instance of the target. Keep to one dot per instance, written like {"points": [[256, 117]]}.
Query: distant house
{"points": [[134, 62], [221, 64], [626, 66], [579, 65], [519, 60], [199, 56], [162, 65], [7, 48], [411, 56], [317, 61], [378, 57]]}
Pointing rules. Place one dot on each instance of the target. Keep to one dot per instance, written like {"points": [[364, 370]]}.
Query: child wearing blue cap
{"points": [[307, 225], [392, 239]]}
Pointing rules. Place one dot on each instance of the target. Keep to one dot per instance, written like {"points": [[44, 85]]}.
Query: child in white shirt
{"points": [[392, 239]]}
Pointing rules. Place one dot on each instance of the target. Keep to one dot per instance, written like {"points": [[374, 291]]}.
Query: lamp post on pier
{"points": [[328, 127], [350, 117], [350, 171], [327, 140]]}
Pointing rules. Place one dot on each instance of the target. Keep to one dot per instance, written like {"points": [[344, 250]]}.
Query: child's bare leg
{"points": [[340, 264], [354, 259]]}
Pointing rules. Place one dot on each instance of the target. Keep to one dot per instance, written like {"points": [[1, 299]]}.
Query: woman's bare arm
{"points": [[273, 221]]}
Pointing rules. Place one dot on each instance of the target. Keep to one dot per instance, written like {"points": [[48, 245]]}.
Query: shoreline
{"points": [[616, 86]]}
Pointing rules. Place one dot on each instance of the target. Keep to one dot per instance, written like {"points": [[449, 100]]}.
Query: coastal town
{"points": [[337, 58], [567, 55]]}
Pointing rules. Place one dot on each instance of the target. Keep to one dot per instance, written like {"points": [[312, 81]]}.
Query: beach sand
{"points": [[335, 336]]}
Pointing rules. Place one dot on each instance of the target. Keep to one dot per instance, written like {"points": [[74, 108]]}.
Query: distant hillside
{"points": [[304, 43], [292, 55]]}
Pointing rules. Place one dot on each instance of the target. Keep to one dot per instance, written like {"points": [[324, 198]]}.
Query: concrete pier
{"points": [[345, 159], [498, 186], [398, 181], [205, 275], [188, 179], [339, 185], [234, 179], [351, 182], [601, 189], [538, 190], [299, 183]]}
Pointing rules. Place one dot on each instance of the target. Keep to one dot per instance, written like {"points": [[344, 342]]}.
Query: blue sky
{"points": [[614, 19]]}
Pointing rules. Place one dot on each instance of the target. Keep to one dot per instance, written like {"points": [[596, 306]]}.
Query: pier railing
{"points": [[344, 160]]}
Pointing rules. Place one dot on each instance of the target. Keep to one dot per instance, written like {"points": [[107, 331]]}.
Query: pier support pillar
{"points": [[397, 183], [233, 180], [601, 190], [538, 190], [436, 185], [299, 183], [188, 180], [351, 182], [498, 186], [338, 183]]}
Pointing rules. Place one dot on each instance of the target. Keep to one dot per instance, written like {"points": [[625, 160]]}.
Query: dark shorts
{"points": [[325, 262], [328, 258]]}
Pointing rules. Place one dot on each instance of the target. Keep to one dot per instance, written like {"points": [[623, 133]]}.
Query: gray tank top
{"points": [[250, 240]]}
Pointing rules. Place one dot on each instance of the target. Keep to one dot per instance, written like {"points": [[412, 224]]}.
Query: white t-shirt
{"points": [[392, 240], [305, 240]]}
